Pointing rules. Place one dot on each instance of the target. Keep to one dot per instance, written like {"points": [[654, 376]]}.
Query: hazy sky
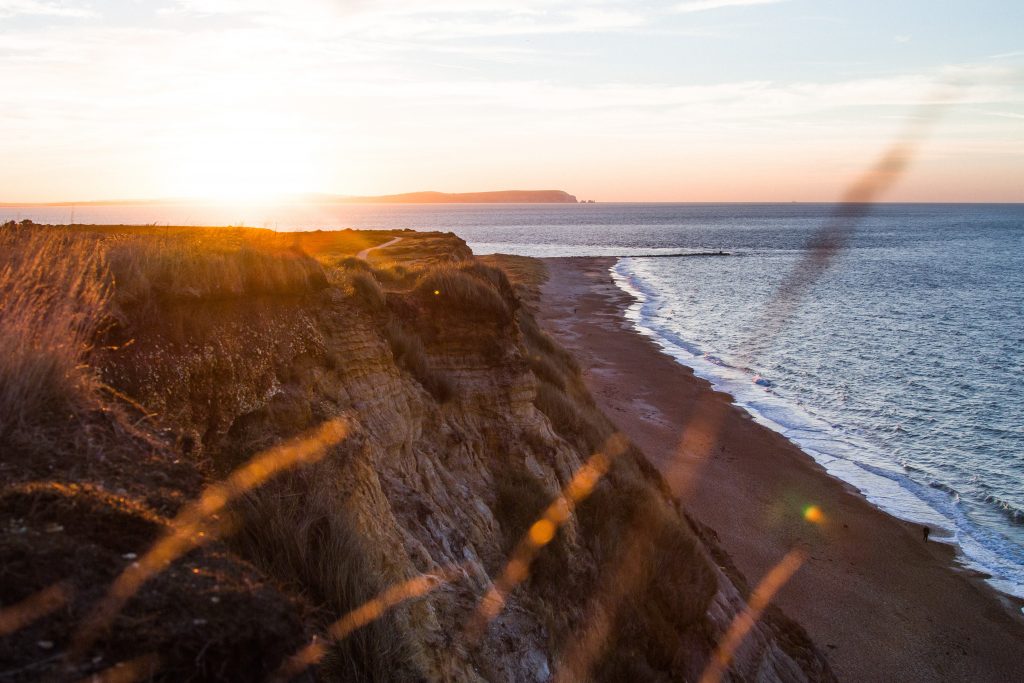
{"points": [[699, 100]]}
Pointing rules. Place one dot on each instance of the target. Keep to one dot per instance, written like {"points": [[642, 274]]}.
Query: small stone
{"points": [[215, 599], [198, 622], [130, 556], [53, 528], [45, 644]]}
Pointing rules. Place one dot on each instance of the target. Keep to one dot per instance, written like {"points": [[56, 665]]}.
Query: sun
{"points": [[246, 163]]}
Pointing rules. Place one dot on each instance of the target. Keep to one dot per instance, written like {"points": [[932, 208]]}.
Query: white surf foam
{"points": [[878, 478]]}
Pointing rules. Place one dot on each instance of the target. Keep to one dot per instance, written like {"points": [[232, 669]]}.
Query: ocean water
{"points": [[901, 369]]}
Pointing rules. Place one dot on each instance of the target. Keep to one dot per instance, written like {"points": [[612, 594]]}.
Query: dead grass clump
{"points": [[546, 370], [676, 580], [582, 425], [469, 290], [519, 501], [395, 275], [53, 295], [409, 353], [368, 291], [297, 532], [353, 263]]}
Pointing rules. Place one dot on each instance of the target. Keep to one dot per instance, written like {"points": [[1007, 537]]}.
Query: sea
{"points": [[898, 363]]}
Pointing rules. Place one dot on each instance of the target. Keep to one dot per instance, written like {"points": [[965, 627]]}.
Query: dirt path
{"points": [[365, 253]]}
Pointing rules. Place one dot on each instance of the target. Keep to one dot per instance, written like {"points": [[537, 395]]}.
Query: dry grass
{"points": [[53, 295], [526, 274], [367, 290], [149, 272], [409, 353], [471, 290], [297, 532], [395, 275]]}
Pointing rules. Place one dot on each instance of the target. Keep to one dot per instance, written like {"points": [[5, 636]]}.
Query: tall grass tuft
{"points": [[368, 291], [54, 291], [470, 289], [409, 353], [296, 531]]}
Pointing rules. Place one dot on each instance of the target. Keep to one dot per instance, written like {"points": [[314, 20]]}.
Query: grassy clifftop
{"points": [[146, 369]]}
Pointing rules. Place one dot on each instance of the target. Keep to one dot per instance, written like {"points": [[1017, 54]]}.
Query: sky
{"points": [[683, 100]]}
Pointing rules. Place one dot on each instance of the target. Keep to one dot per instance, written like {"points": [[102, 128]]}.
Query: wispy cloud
{"points": [[42, 8], [705, 5], [390, 94]]}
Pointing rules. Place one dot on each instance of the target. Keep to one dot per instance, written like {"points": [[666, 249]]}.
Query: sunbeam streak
{"points": [[773, 581], [35, 606], [542, 532], [366, 613]]}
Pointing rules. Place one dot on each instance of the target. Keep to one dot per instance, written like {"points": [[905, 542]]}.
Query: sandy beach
{"points": [[883, 604]]}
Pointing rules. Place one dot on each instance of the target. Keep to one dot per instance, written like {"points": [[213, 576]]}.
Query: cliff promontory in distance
{"points": [[500, 197]]}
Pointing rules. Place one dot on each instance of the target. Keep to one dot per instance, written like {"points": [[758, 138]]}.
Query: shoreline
{"points": [[870, 585]]}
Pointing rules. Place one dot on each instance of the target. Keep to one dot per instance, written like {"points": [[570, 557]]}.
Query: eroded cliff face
{"points": [[429, 480]]}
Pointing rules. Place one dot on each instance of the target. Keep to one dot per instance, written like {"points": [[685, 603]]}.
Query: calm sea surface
{"points": [[901, 369]]}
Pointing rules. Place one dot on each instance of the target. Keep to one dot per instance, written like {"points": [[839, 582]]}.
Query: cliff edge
{"points": [[193, 353]]}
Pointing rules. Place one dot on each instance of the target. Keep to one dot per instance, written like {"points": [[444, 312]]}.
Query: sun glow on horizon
{"points": [[253, 162], [611, 100]]}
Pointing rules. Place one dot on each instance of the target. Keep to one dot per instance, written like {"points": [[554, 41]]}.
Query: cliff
{"points": [[463, 422]]}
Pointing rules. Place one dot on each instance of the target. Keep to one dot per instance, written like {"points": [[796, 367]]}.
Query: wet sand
{"points": [[881, 603]]}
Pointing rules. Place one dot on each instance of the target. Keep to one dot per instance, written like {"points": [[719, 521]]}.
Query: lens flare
{"points": [[813, 514]]}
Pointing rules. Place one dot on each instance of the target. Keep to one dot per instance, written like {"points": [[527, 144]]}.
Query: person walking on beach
{"points": [[926, 531]]}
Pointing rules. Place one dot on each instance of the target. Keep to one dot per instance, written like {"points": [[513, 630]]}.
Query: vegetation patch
{"points": [[368, 291], [54, 292], [409, 353], [298, 531], [152, 271], [473, 290]]}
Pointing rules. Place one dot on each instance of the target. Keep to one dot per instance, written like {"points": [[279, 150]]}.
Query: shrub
{"points": [[353, 263], [394, 274], [520, 501], [673, 584], [540, 343]]}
